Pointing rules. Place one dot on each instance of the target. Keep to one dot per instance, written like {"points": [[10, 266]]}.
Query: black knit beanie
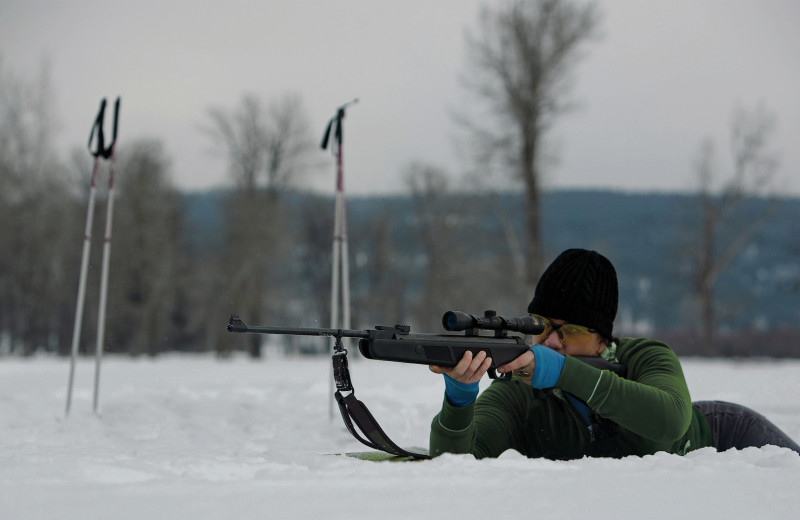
{"points": [[579, 287]]}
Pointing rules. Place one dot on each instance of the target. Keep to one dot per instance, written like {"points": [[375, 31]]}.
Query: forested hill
{"points": [[651, 239]]}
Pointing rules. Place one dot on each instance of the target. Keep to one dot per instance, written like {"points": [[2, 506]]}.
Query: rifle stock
{"points": [[441, 349]]}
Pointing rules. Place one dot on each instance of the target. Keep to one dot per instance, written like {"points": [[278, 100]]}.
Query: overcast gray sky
{"points": [[665, 75]]}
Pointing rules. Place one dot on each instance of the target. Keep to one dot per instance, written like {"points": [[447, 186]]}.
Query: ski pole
{"points": [[87, 245], [340, 264], [100, 151], [101, 316]]}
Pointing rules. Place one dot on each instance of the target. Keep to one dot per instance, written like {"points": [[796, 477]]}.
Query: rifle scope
{"points": [[456, 320]]}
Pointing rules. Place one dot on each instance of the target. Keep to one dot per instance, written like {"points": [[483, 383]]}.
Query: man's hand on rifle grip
{"points": [[521, 367], [468, 370]]}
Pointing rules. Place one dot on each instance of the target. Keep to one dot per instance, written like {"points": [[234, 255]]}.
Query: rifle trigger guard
{"points": [[502, 377]]}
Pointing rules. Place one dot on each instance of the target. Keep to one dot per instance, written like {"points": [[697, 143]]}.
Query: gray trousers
{"points": [[736, 426]]}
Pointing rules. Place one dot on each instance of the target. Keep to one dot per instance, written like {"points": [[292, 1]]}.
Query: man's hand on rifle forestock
{"points": [[469, 370]]}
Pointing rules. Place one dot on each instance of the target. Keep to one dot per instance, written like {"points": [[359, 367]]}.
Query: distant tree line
{"points": [[265, 251], [413, 256]]}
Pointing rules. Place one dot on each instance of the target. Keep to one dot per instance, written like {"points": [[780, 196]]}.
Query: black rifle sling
{"points": [[354, 411]]}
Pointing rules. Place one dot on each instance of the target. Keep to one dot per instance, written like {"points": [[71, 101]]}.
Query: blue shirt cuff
{"points": [[547, 369], [460, 394]]}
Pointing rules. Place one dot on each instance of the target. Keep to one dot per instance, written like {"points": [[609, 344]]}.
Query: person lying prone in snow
{"points": [[558, 407]]}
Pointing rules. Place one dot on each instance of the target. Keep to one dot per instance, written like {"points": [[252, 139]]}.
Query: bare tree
{"points": [[267, 153], [266, 148], [147, 262], [34, 267], [457, 275], [384, 299], [429, 191], [312, 266], [719, 244], [522, 62]]}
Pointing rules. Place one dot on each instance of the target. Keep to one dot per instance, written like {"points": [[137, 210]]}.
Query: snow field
{"points": [[191, 436]]}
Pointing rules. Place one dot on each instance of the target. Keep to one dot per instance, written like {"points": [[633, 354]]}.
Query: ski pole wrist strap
{"points": [[98, 137]]}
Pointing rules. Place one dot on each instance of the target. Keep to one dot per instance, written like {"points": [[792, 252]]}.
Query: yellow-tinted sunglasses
{"points": [[570, 334]]}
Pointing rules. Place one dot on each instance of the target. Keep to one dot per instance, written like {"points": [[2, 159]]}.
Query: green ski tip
{"points": [[380, 456]]}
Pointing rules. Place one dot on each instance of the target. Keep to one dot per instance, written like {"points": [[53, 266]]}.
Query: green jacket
{"points": [[649, 410]]}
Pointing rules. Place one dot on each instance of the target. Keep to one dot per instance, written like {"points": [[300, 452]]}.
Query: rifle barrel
{"points": [[235, 324]]}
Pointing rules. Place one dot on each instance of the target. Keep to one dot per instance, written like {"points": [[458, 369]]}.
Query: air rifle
{"points": [[398, 344]]}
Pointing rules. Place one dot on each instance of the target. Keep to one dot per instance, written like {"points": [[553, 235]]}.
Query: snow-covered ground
{"points": [[193, 437]]}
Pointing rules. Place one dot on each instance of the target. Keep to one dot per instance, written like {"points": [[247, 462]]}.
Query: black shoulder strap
{"points": [[355, 414]]}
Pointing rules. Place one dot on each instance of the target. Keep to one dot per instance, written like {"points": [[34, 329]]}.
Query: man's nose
{"points": [[552, 341]]}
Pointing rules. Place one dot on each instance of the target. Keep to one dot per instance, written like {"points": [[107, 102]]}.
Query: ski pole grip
{"points": [[98, 127], [116, 121]]}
